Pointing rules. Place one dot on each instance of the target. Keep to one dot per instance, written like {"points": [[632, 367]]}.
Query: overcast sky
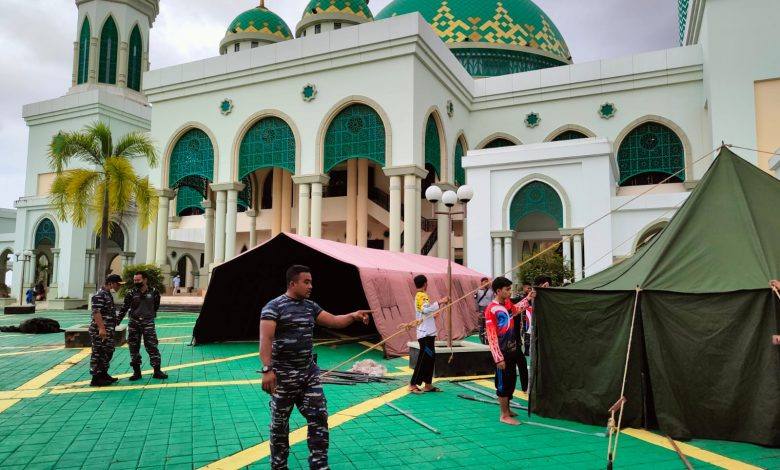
{"points": [[38, 35]]}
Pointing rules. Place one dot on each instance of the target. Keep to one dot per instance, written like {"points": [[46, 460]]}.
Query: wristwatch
{"points": [[266, 369]]}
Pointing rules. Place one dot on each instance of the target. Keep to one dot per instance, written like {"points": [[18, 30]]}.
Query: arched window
{"points": [[45, 233], [433, 146], [536, 198], [83, 72], [356, 132], [499, 142], [569, 135], [650, 234], [649, 154], [134, 60], [116, 238], [109, 39], [192, 164], [460, 173], [269, 143]]}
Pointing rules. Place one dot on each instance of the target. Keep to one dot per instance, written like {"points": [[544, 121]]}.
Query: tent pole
{"points": [[449, 281]]}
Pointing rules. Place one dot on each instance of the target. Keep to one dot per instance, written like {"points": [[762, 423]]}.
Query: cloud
{"points": [[38, 40]]}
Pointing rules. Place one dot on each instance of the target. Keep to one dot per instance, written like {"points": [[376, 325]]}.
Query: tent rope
{"points": [[751, 149], [612, 447]]}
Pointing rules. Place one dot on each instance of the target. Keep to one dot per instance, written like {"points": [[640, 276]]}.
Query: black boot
{"points": [[159, 374], [136, 373], [109, 379], [99, 381]]}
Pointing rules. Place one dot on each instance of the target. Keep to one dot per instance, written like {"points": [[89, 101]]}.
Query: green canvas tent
{"points": [[702, 363]]}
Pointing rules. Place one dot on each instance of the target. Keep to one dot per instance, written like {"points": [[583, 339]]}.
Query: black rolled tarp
{"points": [[702, 363]]}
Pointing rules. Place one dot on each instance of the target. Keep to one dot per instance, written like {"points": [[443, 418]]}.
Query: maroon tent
{"points": [[346, 278]]}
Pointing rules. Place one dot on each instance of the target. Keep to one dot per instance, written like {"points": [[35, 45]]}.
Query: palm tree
{"points": [[107, 187]]}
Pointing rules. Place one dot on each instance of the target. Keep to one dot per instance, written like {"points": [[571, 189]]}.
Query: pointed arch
{"points": [[498, 139], [569, 132], [515, 190], [435, 153], [535, 197], [461, 147], [649, 232], [45, 233], [109, 44], [83, 59], [135, 59], [651, 149], [267, 140], [191, 164]]}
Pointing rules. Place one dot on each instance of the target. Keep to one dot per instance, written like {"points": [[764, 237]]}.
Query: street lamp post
{"points": [[22, 257], [449, 198]]}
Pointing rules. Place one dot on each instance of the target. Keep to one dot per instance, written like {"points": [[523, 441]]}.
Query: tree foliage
{"points": [[153, 274], [549, 264]]}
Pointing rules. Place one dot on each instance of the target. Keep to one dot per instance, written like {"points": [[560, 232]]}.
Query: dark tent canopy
{"points": [[702, 363], [345, 278]]}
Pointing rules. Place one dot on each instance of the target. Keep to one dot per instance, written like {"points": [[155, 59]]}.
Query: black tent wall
{"points": [[240, 287]]}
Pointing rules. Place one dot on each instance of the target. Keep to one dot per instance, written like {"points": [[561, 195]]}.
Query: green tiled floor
{"points": [[190, 427]]}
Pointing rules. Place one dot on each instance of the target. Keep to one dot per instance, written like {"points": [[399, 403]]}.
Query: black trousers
{"points": [[423, 369], [506, 380]]}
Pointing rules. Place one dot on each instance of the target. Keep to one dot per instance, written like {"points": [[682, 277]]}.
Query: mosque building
{"points": [[334, 128]]}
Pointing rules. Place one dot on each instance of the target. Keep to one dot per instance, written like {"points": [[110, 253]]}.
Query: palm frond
{"points": [[101, 132], [121, 179], [146, 201], [73, 194], [66, 146], [137, 145]]}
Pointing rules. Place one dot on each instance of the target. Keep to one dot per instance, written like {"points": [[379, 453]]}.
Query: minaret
{"points": [[112, 44]]}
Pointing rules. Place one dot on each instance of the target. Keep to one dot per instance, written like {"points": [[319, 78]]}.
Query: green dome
{"points": [[510, 35], [262, 21], [357, 8]]}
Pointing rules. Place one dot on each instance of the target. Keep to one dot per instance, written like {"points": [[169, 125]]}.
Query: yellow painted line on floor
{"points": [[14, 394], [171, 338], [167, 369], [5, 404], [31, 351], [154, 386], [691, 451], [51, 374], [402, 371]]}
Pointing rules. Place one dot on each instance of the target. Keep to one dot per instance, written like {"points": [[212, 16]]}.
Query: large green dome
{"points": [[260, 22], [491, 37]]}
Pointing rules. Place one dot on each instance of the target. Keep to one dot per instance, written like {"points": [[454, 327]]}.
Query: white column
{"points": [[498, 259], [287, 189], [395, 213], [304, 209], [276, 202], [418, 209], [411, 216], [316, 210], [74, 80], [352, 183], [230, 224], [208, 242], [566, 251], [508, 265], [219, 226], [121, 73], [164, 197], [443, 226], [577, 257], [252, 214], [55, 267], [362, 203], [151, 241], [94, 49]]}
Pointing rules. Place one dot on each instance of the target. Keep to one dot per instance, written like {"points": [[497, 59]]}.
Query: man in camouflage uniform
{"points": [[142, 303], [290, 374], [101, 332]]}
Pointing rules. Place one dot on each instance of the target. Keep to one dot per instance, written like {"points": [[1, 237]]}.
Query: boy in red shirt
{"points": [[499, 325]]}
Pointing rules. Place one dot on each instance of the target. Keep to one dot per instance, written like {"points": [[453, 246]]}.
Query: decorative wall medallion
{"points": [[532, 120], [450, 108], [607, 110], [226, 107], [309, 92]]}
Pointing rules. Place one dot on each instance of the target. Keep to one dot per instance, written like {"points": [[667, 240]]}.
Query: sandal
{"points": [[434, 389], [416, 390]]}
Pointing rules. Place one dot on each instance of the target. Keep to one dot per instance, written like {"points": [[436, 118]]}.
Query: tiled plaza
{"points": [[212, 412]]}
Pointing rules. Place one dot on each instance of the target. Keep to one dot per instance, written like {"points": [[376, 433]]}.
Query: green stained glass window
{"points": [[460, 173], [536, 197], [245, 195], [357, 132], [134, 60], [192, 162], [269, 143], [45, 233], [83, 72], [569, 135], [433, 145], [499, 142], [650, 153], [189, 201], [109, 42], [487, 62]]}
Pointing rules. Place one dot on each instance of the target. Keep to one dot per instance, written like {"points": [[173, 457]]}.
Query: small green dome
{"points": [[338, 11], [260, 20], [510, 35]]}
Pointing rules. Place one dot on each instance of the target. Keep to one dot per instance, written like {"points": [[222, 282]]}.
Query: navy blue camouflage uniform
{"points": [[102, 349], [142, 308], [297, 380]]}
